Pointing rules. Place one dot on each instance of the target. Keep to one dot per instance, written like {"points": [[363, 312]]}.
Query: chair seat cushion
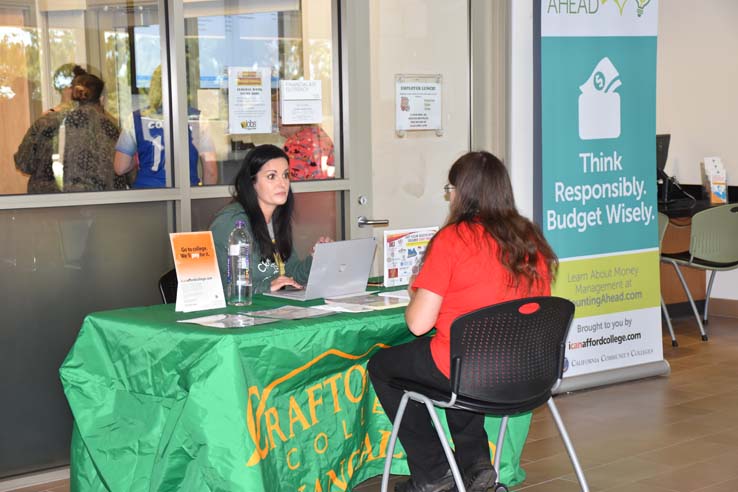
{"points": [[683, 258], [498, 409]]}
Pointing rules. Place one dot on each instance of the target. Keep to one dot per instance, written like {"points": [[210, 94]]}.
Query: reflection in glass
{"points": [[122, 44], [238, 61]]}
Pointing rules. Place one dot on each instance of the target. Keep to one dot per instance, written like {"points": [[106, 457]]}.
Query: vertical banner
{"points": [[598, 170]]}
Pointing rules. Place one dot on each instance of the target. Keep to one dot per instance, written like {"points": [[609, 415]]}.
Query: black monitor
{"points": [[662, 150]]}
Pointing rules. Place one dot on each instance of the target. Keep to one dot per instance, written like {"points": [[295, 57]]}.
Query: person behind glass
{"points": [[485, 254], [263, 199], [90, 135], [141, 144], [85, 162], [62, 82], [41, 141], [310, 151]]}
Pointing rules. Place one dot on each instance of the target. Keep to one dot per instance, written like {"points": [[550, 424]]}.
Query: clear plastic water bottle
{"points": [[238, 281]]}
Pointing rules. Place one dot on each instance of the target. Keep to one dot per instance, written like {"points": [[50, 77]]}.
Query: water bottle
{"points": [[238, 281]]}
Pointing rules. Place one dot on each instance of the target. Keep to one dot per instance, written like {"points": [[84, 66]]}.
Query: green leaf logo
{"points": [[621, 5]]}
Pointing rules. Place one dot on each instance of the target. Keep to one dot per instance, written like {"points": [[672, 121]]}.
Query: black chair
{"points": [[506, 359], [168, 287]]}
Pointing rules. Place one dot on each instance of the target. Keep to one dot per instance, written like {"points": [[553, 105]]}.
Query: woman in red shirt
{"points": [[485, 254]]}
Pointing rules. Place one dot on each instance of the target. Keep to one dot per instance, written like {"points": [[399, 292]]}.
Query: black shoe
{"points": [[479, 477], [443, 484]]}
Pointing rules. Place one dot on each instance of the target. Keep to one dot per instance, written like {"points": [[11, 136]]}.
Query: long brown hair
{"points": [[484, 196]]}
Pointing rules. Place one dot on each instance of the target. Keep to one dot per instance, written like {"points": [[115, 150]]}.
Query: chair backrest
{"points": [[511, 353], [168, 287], [714, 235], [663, 224]]}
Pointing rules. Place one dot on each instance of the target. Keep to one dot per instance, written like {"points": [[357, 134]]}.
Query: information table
{"points": [[286, 406]]}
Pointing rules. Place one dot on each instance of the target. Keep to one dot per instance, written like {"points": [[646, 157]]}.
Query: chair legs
{"points": [[439, 430], [707, 295], [429, 405], [567, 443], [674, 342], [691, 300]]}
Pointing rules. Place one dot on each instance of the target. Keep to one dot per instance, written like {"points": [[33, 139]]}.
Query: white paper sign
{"points": [[249, 100], [301, 101], [403, 253], [418, 105]]}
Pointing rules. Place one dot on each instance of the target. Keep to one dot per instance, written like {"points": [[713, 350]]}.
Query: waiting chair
{"points": [[168, 287], [663, 224], [505, 360], [713, 246]]}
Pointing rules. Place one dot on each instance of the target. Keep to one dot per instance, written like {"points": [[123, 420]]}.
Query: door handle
{"points": [[363, 221]]}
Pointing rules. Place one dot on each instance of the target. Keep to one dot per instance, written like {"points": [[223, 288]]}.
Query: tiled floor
{"points": [[675, 434]]}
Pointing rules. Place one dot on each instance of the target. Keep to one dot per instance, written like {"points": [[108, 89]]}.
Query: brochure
{"points": [[228, 321], [371, 301], [288, 312]]}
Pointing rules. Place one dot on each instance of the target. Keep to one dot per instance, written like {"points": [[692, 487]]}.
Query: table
{"points": [[286, 406]]}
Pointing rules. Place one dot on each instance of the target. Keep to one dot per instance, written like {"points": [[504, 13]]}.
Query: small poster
{"points": [[418, 103], [198, 277], [403, 253], [249, 100], [301, 102]]}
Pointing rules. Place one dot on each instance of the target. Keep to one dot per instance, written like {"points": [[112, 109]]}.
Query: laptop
{"points": [[340, 268]]}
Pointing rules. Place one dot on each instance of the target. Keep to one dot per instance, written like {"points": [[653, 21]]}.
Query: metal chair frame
{"points": [[663, 225], [458, 399], [713, 246]]}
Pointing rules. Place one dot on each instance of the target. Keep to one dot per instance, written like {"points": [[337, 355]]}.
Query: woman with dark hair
{"points": [[71, 148], [264, 200], [485, 254], [90, 135]]}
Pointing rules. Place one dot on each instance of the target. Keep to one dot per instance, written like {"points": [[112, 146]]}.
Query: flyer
{"points": [[403, 253], [198, 277], [301, 102], [417, 105], [249, 100]]}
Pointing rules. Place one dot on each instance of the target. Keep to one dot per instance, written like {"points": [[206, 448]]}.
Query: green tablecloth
{"points": [[287, 406]]}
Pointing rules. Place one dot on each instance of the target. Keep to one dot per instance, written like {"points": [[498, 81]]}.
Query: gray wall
{"points": [[57, 265]]}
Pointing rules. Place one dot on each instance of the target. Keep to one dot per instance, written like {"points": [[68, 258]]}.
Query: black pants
{"points": [[425, 456]]}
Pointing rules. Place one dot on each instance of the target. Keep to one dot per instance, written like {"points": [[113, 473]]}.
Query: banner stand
{"points": [[614, 376], [595, 178]]}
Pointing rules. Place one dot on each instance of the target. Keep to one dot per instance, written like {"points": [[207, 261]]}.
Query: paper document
{"points": [[337, 307], [371, 301], [399, 294], [227, 321], [289, 312]]}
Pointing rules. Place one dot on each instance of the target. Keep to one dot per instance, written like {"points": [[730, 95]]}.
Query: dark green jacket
{"points": [[262, 272]]}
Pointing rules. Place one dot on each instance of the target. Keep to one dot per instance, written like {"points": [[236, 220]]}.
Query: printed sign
{"points": [[249, 100], [598, 125], [403, 253], [198, 278], [301, 102], [418, 103]]}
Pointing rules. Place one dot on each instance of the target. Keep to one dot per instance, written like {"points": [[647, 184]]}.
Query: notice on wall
{"points": [[418, 102], [249, 100], [198, 278], [301, 102], [598, 163], [403, 253]]}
